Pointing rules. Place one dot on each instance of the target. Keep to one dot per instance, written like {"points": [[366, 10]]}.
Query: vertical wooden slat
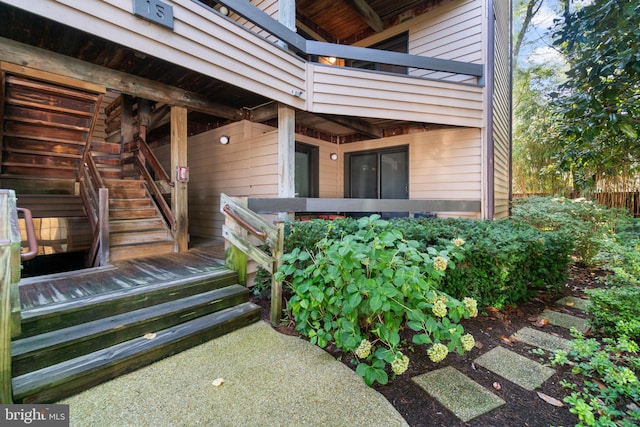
{"points": [[234, 258], [9, 277], [103, 223], [276, 287], [179, 201]]}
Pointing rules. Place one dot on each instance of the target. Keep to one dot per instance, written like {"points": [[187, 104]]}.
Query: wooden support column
{"points": [[286, 154], [179, 200], [287, 15]]}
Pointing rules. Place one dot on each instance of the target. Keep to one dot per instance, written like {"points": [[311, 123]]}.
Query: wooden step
{"points": [[127, 193], [105, 147], [124, 183], [134, 213], [147, 236], [37, 352], [67, 378], [119, 253], [129, 203], [45, 318], [136, 225]]}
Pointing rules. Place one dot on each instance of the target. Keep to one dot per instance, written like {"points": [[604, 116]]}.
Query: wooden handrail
{"points": [[31, 236], [153, 161], [160, 201], [273, 236], [262, 235]]}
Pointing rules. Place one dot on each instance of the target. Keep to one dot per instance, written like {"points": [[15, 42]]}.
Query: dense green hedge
{"points": [[504, 263]]}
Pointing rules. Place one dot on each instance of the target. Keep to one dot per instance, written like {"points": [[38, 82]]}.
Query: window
{"points": [[306, 170]]}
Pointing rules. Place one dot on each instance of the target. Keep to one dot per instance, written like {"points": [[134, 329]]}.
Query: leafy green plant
{"points": [[589, 224], [358, 291], [616, 311], [610, 370]]}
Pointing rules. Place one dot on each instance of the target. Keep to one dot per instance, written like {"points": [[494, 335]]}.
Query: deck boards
{"points": [[59, 288]]}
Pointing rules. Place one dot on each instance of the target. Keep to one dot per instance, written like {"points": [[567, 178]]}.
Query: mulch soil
{"points": [[490, 329]]}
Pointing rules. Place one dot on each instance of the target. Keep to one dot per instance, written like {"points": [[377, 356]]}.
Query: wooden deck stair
{"points": [[136, 225], [81, 329]]}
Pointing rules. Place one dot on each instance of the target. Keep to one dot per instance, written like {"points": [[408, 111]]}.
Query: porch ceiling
{"points": [[319, 15], [347, 21]]}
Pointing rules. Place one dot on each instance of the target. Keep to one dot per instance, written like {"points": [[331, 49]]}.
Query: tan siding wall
{"points": [[502, 111], [330, 185], [444, 164], [452, 31], [359, 93], [243, 167]]}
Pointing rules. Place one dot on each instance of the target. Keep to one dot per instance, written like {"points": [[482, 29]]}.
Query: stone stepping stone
{"points": [[541, 339], [458, 393], [566, 320], [518, 369], [579, 303]]}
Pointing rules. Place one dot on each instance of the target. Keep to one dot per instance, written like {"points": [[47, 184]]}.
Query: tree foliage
{"points": [[598, 106]]}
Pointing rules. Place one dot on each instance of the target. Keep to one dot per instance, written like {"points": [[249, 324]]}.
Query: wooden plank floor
{"points": [[56, 288]]}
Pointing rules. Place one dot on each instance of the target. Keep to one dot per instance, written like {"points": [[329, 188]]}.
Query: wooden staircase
{"points": [[76, 343], [136, 226]]}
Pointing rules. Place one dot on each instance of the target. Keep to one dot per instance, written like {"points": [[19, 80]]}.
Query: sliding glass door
{"points": [[379, 174]]}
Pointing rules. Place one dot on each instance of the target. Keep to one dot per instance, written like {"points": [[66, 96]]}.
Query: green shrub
{"points": [[358, 291], [589, 224], [505, 262]]}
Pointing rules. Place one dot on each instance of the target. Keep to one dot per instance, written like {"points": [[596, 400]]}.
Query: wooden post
{"points": [[276, 287], [234, 258], [103, 224], [179, 195], [286, 155], [9, 277], [287, 16]]}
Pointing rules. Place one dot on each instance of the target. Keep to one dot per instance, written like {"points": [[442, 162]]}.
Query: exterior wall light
{"points": [[333, 156], [223, 10], [224, 139]]}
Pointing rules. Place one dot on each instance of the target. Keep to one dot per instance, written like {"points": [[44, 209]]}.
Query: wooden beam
{"points": [[179, 199], [264, 112], [356, 124], [44, 60], [368, 14]]}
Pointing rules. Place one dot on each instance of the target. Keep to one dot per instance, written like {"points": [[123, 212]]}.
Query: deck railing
{"points": [[9, 277], [95, 197], [145, 160], [311, 49], [240, 224]]}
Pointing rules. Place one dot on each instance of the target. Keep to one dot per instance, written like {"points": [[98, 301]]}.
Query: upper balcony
{"points": [[252, 53]]}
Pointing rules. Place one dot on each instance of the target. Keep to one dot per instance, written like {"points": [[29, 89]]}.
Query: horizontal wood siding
{"points": [[200, 40], [502, 111], [452, 31], [246, 166], [367, 94], [330, 185], [443, 164]]}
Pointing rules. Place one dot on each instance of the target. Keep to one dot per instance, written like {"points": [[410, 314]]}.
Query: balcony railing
{"points": [[311, 48]]}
